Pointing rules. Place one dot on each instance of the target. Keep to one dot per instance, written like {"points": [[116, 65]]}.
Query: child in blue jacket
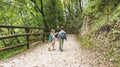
{"points": [[61, 37]]}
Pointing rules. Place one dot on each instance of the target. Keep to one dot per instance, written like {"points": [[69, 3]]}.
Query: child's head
{"points": [[52, 31], [62, 28]]}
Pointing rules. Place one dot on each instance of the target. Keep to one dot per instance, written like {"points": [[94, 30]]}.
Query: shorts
{"points": [[53, 43]]}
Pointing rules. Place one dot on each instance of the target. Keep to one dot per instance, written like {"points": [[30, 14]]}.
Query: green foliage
{"points": [[112, 53], [1, 44], [19, 13], [115, 31], [8, 53], [92, 7], [54, 13], [86, 42], [115, 15], [72, 14], [102, 13]]}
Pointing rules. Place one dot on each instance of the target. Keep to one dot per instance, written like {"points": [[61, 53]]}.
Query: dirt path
{"points": [[72, 56]]}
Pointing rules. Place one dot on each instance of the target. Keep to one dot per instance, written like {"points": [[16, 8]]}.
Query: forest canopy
{"points": [[39, 13]]}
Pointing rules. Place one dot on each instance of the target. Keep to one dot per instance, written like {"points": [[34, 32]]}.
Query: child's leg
{"points": [[49, 46], [62, 41], [53, 45], [60, 44]]}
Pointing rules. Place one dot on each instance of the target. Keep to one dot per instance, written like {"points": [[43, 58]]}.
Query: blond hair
{"points": [[52, 31]]}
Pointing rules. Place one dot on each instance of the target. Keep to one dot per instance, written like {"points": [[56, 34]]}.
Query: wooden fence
{"points": [[26, 34]]}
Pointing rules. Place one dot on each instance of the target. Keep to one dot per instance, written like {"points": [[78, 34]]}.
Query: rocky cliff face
{"points": [[85, 27]]}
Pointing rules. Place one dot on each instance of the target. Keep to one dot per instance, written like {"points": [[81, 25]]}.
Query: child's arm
{"points": [[65, 36], [58, 36], [56, 33]]}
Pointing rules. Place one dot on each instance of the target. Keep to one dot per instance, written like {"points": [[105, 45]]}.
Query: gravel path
{"points": [[72, 56]]}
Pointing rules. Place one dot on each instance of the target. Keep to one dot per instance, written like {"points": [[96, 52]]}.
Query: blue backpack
{"points": [[62, 35], [50, 38]]}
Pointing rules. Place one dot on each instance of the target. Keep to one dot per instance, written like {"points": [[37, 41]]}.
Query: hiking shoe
{"points": [[61, 50], [48, 48], [53, 49]]}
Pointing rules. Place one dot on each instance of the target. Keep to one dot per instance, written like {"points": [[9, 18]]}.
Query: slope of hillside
{"points": [[101, 29]]}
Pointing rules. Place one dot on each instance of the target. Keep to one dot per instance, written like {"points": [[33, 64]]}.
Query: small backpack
{"points": [[50, 38], [62, 35]]}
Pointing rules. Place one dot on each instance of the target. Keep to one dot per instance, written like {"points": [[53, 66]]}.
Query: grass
{"points": [[11, 52], [85, 42]]}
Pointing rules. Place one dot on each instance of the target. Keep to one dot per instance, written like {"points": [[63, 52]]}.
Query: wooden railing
{"points": [[27, 33]]}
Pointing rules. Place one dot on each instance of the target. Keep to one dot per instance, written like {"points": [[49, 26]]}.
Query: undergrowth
{"points": [[104, 15]]}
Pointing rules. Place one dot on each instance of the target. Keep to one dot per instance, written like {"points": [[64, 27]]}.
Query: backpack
{"points": [[50, 38], [62, 35]]}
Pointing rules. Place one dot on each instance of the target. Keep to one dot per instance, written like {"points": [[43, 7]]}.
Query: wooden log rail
{"points": [[17, 35], [5, 26], [27, 34]]}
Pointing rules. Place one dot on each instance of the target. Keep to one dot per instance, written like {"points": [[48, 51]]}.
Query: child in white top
{"points": [[52, 38]]}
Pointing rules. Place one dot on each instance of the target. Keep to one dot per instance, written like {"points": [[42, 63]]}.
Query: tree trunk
{"points": [[80, 5], [42, 12]]}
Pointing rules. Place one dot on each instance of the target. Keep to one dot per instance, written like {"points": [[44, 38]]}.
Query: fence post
{"points": [[43, 37], [27, 37]]}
